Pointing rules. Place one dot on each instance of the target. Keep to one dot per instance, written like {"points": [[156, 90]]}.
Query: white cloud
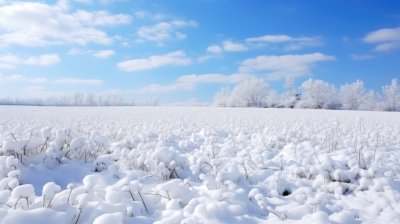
{"points": [[270, 39], [290, 43], [147, 15], [280, 67], [11, 61], [101, 18], [189, 82], [230, 46], [84, 1], [361, 57], [104, 54], [95, 53], [40, 24], [45, 59], [286, 42], [76, 51], [164, 31], [21, 78], [214, 49], [155, 61], [74, 81], [98, 1], [386, 39], [212, 78]]}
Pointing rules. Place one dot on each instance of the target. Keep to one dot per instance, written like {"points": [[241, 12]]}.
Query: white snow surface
{"points": [[198, 165]]}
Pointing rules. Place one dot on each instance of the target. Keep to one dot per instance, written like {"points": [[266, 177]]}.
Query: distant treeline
{"points": [[79, 99], [312, 93]]}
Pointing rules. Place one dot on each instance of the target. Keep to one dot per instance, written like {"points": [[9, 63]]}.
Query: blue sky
{"points": [[179, 51]]}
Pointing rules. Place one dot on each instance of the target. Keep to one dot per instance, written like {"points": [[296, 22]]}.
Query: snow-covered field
{"points": [[198, 165]]}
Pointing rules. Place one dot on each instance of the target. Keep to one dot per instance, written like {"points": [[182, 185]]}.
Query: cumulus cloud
{"points": [[386, 39], [164, 31], [155, 61], [226, 46], [189, 82], [101, 18], [74, 81], [40, 24], [104, 53], [214, 49], [11, 61], [230, 46], [280, 67], [142, 14], [21, 78]]}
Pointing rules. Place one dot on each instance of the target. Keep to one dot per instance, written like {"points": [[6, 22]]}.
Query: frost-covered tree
{"points": [[370, 102], [289, 84], [271, 99], [222, 97], [317, 94], [354, 97], [288, 99], [391, 95], [249, 93]]}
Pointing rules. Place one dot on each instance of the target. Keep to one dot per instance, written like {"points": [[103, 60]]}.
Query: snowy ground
{"points": [[198, 165]]}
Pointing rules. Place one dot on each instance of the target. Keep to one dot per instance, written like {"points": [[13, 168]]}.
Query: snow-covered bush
{"points": [[23, 196], [50, 189]]}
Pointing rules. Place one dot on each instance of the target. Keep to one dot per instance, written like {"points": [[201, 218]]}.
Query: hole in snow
{"points": [[286, 192]]}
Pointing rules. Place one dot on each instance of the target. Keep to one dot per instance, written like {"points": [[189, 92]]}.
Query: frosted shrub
{"points": [[16, 174], [167, 164], [53, 157], [99, 142], [103, 162], [79, 149], [12, 147], [176, 190], [50, 189], [23, 196], [45, 137], [134, 188]]}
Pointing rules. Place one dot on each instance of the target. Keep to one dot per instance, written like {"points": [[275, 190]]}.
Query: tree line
{"points": [[80, 99], [313, 93], [253, 92]]}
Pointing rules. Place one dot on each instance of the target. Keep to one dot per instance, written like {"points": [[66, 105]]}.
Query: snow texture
{"points": [[198, 165]]}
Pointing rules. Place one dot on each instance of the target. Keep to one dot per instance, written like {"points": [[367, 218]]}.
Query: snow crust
{"points": [[198, 165]]}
